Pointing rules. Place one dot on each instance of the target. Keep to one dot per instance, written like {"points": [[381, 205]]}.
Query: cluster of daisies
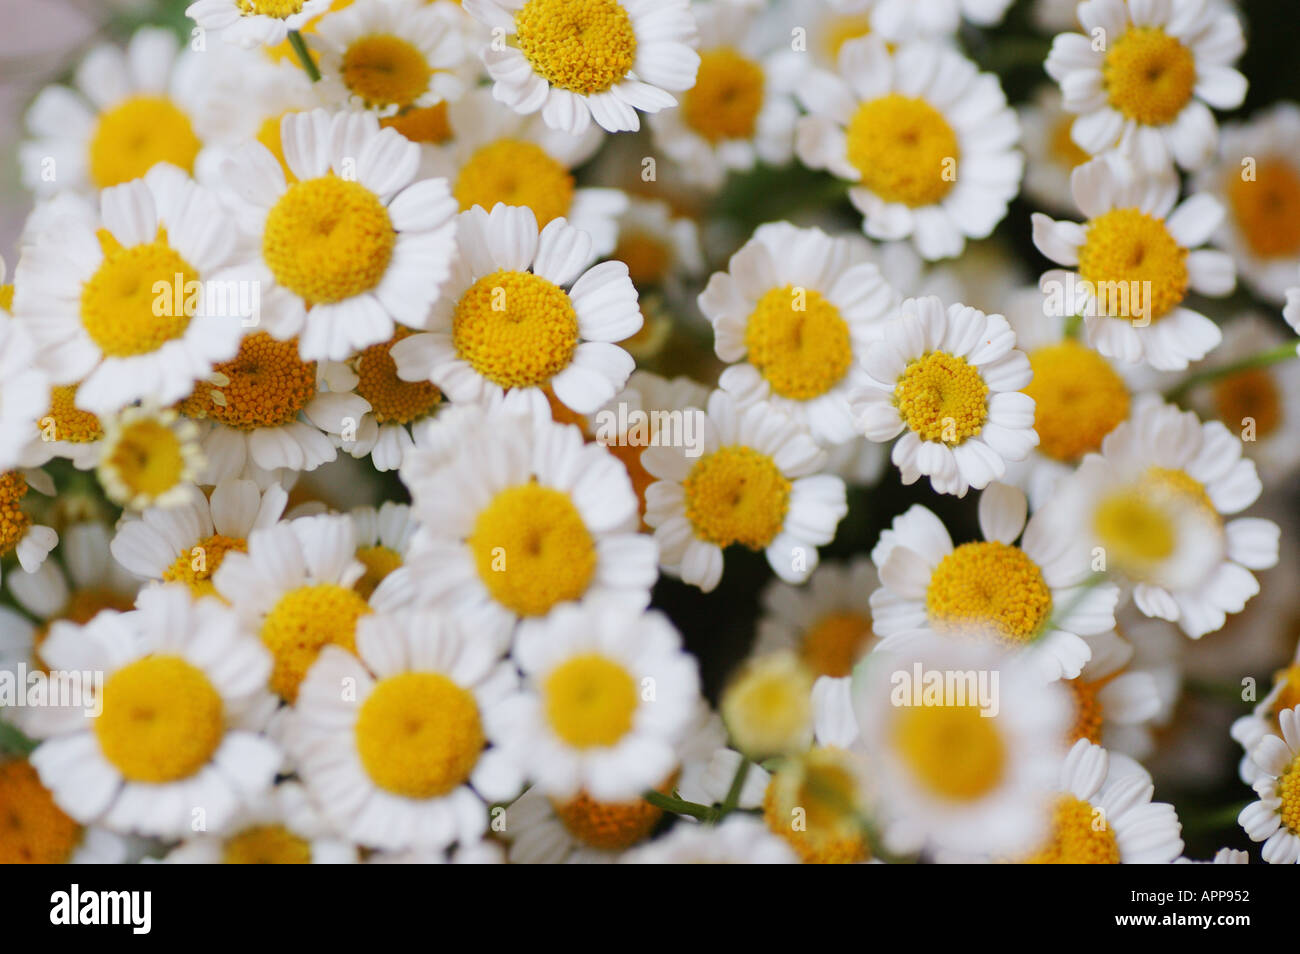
{"points": [[368, 371]]}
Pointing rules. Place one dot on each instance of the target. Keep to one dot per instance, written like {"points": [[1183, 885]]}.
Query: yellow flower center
{"points": [[1289, 697], [302, 623], [385, 70], [162, 720], [70, 422], [515, 172], [942, 398], [905, 150], [266, 845], [768, 708], [427, 124], [1288, 792], [609, 826], [516, 329], [840, 30], [646, 257], [812, 802], [1062, 147], [33, 830], [1252, 394], [13, 521], [532, 549], [1138, 524], [954, 751], [988, 585], [590, 701], [798, 342], [265, 385], [737, 495], [328, 239], [379, 561], [195, 568], [1078, 399], [392, 400], [584, 46], [1088, 714], [833, 644], [137, 134], [1080, 836], [1149, 76], [1267, 208], [146, 458], [1134, 264], [728, 93], [121, 311], [419, 735], [278, 9]]}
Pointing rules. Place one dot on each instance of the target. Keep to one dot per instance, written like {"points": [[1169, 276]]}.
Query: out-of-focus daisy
{"points": [[950, 382], [1135, 259], [755, 483], [738, 840], [38, 832], [1264, 718], [254, 22], [819, 802], [169, 744], [608, 695], [1275, 818], [25, 394], [20, 535], [927, 141], [660, 249], [797, 310], [523, 311], [355, 243], [767, 706], [579, 60], [149, 458], [1051, 154], [63, 430], [1151, 84], [1117, 698], [402, 759], [383, 536]]}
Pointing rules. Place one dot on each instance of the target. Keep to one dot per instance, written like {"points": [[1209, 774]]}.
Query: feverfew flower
{"points": [[1275, 818], [255, 22]]}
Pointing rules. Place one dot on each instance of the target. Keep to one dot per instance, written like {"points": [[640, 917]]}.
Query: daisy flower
{"points": [[20, 535], [738, 840], [127, 305], [1151, 85], [383, 537], [1264, 718], [818, 801], [62, 430], [200, 675], [659, 248], [579, 60], [950, 382], [927, 142], [252, 23], [579, 830], [1136, 258], [608, 695], [355, 243], [1275, 818], [25, 395], [1118, 698], [1036, 596], [756, 483], [523, 311], [767, 706], [38, 832], [150, 457], [400, 757], [797, 309], [1051, 154]]}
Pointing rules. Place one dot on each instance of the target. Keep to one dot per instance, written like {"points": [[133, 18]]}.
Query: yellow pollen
{"points": [[1253, 394], [1088, 714], [516, 329], [768, 707], [419, 735], [609, 826], [1080, 836], [647, 258], [833, 644], [137, 134], [33, 830], [988, 585], [590, 701], [798, 342], [515, 172], [7, 297], [942, 398], [328, 239], [266, 385], [147, 457], [385, 70], [583, 46], [162, 720], [1078, 399], [841, 30], [70, 423], [278, 9], [427, 124], [727, 96], [195, 567], [1267, 208], [1135, 265], [303, 622], [392, 400], [1288, 791], [954, 751], [13, 520], [812, 802], [1149, 76], [737, 495], [533, 549], [905, 150], [379, 561], [266, 845], [1062, 147], [119, 307]]}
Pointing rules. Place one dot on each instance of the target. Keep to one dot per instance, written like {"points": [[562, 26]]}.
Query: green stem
{"points": [[679, 806], [1274, 355], [733, 793], [300, 48]]}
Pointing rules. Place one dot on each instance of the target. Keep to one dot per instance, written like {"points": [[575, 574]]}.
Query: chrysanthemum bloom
{"points": [[927, 142], [525, 310], [1275, 818], [403, 759], [355, 243], [383, 537], [738, 840], [20, 535], [754, 480], [1146, 75], [1119, 697], [819, 802], [1265, 718], [1136, 258], [579, 60], [795, 313], [150, 457], [660, 248], [950, 383], [38, 832], [198, 677], [125, 306], [255, 22]]}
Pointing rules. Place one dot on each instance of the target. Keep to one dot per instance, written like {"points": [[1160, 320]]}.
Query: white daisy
{"points": [[1275, 818], [1118, 698], [737, 840], [660, 249], [254, 22], [150, 457], [1263, 719], [24, 390], [821, 803], [383, 537]]}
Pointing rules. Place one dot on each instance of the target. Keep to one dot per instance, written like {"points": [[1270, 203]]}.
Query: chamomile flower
{"points": [[38, 832], [126, 305], [64, 431], [737, 840], [1051, 153], [198, 675], [403, 760], [579, 60], [608, 695], [1136, 258], [355, 243], [24, 392], [799, 309], [150, 458], [1035, 597], [819, 801], [1275, 818], [523, 310], [927, 141], [1264, 718], [29, 541], [252, 23], [1117, 698], [950, 382], [659, 248], [383, 537], [1151, 86], [756, 483]]}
